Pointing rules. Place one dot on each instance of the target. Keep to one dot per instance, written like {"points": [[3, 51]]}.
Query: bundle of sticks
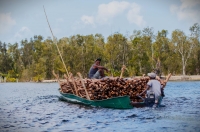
{"points": [[98, 89], [105, 88]]}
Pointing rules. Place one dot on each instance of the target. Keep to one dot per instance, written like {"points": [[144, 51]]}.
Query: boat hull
{"points": [[122, 102]]}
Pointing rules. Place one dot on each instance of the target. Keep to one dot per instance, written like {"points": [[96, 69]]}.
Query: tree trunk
{"points": [[184, 65], [140, 67]]}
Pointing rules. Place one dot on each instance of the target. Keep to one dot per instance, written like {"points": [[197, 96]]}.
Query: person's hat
{"points": [[152, 75], [98, 59]]}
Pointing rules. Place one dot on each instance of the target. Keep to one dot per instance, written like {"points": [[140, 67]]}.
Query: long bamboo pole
{"points": [[56, 43]]}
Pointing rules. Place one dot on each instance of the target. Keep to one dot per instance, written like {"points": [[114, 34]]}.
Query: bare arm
{"points": [[100, 67]]}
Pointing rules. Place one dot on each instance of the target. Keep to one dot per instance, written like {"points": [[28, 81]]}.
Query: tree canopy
{"points": [[141, 52]]}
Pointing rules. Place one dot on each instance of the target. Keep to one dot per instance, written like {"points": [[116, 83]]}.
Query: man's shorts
{"points": [[96, 75]]}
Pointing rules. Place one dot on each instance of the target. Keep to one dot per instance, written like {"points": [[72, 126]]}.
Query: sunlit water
{"points": [[29, 107]]}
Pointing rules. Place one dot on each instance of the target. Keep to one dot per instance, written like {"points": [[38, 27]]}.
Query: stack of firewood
{"points": [[98, 89], [105, 88]]}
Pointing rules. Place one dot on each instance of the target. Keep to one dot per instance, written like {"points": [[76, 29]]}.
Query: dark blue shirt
{"points": [[92, 71]]}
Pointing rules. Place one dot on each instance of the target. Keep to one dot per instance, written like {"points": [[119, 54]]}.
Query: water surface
{"points": [[36, 107]]}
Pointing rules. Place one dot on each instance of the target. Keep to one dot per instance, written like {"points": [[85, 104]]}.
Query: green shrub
{"points": [[11, 80]]}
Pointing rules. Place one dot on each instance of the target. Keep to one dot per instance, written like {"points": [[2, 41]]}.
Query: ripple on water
{"points": [[36, 107], [132, 116]]}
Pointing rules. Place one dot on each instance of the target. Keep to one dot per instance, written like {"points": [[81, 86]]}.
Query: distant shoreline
{"points": [[185, 78], [172, 78]]}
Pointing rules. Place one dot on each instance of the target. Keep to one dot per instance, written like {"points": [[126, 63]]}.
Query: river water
{"points": [[35, 107]]}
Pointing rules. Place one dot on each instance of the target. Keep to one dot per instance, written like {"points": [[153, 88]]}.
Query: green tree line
{"points": [[141, 52]]}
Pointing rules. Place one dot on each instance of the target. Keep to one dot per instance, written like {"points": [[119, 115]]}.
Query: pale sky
{"points": [[22, 19]]}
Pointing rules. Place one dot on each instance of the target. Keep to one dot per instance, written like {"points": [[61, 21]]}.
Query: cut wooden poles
{"points": [[168, 77], [122, 71], [143, 75], [69, 84], [72, 78], [87, 95], [56, 76]]}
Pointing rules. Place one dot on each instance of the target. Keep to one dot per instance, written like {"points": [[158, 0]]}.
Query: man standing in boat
{"points": [[97, 71]]}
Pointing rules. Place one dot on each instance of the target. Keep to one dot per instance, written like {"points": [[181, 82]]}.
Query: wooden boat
{"points": [[119, 102], [122, 102]]}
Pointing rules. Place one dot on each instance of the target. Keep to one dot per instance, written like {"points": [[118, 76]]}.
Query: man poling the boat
{"points": [[96, 70], [154, 91]]}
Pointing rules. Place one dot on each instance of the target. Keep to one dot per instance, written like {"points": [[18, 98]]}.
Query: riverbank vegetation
{"points": [[142, 51]]}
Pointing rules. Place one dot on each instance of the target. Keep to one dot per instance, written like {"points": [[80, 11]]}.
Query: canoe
{"points": [[121, 102]]}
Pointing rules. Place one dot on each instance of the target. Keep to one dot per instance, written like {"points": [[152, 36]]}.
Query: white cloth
{"points": [[152, 75], [155, 86]]}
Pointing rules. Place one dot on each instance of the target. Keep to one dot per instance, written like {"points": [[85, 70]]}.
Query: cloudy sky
{"points": [[22, 19]]}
